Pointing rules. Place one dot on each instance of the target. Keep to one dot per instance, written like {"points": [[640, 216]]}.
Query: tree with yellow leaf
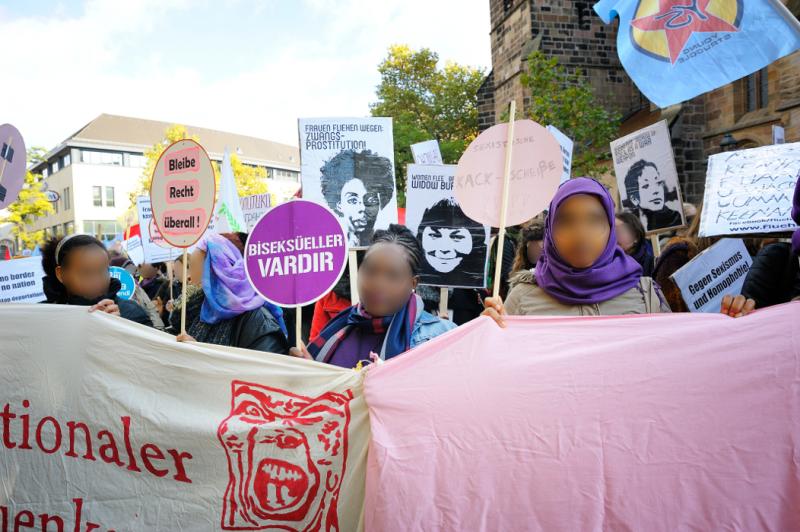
{"points": [[30, 204]]}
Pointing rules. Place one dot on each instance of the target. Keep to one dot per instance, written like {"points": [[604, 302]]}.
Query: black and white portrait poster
{"points": [[455, 248], [647, 178], [347, 164]]}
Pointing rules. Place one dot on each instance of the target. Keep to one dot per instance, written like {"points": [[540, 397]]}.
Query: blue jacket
{"points": [[427, 327]]}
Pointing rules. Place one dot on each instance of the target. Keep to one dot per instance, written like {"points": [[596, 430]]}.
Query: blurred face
{"points": [[177, 270], [625, 236], [651, 190], [196, 261], [445, 248], [534, 250], [385, 280], [147, 271], [85, 272], [358, 207], [581, 230]]}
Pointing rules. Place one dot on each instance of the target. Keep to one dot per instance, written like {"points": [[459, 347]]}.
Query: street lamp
{"points": [[728, 143]]}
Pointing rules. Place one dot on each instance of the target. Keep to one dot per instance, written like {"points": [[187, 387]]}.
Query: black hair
{"points": [[375, 171], [531, 233], [632, 221], [53, 288], [632, 180], [447, 213], [403, 237]]}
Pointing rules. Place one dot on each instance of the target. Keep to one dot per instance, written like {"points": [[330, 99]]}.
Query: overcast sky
{"points": [[246, 66]]}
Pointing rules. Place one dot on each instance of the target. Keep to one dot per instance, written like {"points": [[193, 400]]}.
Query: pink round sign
{"points": [[536, 168], [13, 159]]}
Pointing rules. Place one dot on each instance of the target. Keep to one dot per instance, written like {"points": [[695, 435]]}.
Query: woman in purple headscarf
{"points": [[582, 271], [222, 308]]}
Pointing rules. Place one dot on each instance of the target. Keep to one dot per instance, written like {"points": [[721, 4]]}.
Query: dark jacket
{"points": [[152, 286], [55, 293], [255, 329], [774, 277]]}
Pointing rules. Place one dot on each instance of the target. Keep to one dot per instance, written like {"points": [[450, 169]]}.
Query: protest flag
{"points": [[228, 215], [677, 49]]}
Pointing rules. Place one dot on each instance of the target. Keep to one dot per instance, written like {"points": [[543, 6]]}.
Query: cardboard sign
{"points": [[536, 170], [296, 253], [13, 160], [21, 280], [750, 191], [455, 248], [716, 272], [426, 152], [182, 193], [126, 279], [647, 178], [347, 165], [152, 250], [254, 207], [567, 145]]}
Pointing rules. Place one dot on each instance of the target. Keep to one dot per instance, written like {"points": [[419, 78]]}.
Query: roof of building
{"points": [[124, 132]]}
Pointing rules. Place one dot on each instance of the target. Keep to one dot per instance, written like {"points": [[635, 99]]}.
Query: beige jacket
{"points": [[526, 298]]}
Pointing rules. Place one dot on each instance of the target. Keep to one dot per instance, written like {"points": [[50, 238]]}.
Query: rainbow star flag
{"points": [[677, 49]]}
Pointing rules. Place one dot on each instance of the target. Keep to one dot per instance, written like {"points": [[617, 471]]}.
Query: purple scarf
{"points": [[612, 274], [227, 290], [796, 218]]}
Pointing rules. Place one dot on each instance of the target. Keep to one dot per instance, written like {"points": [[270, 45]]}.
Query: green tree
{"points": [[30, 204], [567, 102], [427, 102]]}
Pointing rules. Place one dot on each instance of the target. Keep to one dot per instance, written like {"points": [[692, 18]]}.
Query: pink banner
{"points": [[668, 422]]}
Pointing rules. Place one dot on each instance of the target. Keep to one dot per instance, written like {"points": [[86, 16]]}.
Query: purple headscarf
{"points": [[612, 274], [796, 218], [225, 285]]}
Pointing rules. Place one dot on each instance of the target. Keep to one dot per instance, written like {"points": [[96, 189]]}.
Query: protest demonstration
{"points": [[487, 265]]}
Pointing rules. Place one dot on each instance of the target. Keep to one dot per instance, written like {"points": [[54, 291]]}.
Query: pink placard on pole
{"points": [[536, 168]]}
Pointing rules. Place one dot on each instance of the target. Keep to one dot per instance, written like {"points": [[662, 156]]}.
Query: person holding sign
{"points": [[222, 308], [76, 273], [390, 318]]}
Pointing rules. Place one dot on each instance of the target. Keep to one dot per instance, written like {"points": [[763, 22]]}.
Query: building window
{"points": [[97, 196], [104, 230], [55, 230], [507, 4], [54, 167], [45, 172], [584, 15], [109, 196], [55, 206], [66, 199], [756, 91], [69, 228], [66, 160], [101, 157], [137, 161]]}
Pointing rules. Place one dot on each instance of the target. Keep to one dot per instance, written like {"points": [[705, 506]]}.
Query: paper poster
{"points": [[750, 191], [13, 160], [296, 253], [347, 164], [427, 152], [126, 280], [21, 280], [536, 170], [716, 272], [567, 145], [455, 248], [183, 193], [254, 207], [648, 179], [154, 249]]}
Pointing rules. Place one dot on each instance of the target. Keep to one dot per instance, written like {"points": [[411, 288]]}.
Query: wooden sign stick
{"points": [[501, 236]]}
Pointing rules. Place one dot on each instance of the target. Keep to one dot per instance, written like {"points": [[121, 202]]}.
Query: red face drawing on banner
{"points": [[286, 459]]}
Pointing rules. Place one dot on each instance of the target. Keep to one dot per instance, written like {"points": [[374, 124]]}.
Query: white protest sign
{"points": [[648, 179], [750, 191], [182, 193], [21, 280], [567, 145], [134, 249], [778, 135], [347, 165], [254, 207], [426, 152], [455, 248], [110, 425], [151, 251], [716, 272]]}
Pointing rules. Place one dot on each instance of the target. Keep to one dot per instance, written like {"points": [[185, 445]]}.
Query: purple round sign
{"points": [[296, 253]]}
